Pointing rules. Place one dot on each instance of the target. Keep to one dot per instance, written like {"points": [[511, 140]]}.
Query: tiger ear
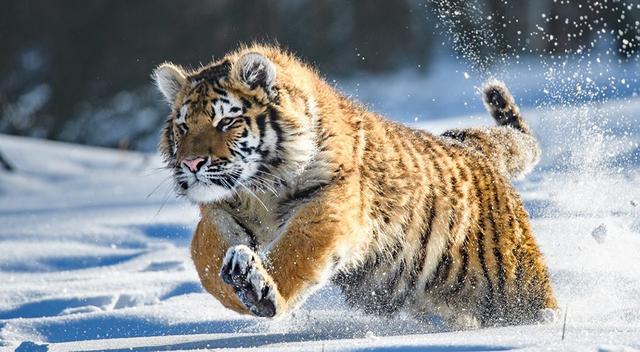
{"points": [[169, 79], [256, 70]]}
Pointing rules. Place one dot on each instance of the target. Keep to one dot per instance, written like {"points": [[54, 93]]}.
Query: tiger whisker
{"points": [[259, 182], [164, 202], [226, 184], [272, 175], [253, 194], [155, 171], [158, 186], [265, 184]]}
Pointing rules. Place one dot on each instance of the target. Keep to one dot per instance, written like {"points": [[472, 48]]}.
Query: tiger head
{"points": [[235, 126]]}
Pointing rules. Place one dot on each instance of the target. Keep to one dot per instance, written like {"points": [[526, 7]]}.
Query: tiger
{"points": [[300, 187]]}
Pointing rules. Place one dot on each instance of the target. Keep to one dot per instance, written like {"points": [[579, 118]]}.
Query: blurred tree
{"points": [[66, 65], [5, 163], [378, 30], [82, 53]]}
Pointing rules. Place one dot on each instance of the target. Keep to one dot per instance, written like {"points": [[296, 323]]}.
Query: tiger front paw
{"points": [[243, 270]]}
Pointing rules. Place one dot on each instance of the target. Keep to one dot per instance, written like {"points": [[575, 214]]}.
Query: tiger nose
{"points": [[194, 164]]}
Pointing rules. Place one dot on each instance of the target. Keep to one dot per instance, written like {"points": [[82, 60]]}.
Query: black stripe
{"points": [[520, 284], [200, 89], [452, 219], [481, 252], [429, 201], [424, 241], [464, 266], [393, 302], [275, 162], [520, 258], [423, 246], [351, 282], [496, 211], [168, 135], [438, 169], [457, 134], [213, 73], [441, 271], [395, 279], [246, 103], [213, 110], [299, 197], [483, 265], [409, 147], [244, 149], [305, 193], [261, 122], [501, 272], [265, 169], [217, 181], [513, 227], [445, 268], [455, 189], [444, 264], [219, 91], [253, 241], [394, 251], [397, 247], [273, 121], [242, 153]]}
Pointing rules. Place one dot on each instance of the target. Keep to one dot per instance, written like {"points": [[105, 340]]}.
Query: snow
{"points": [[94, 247], [94, 250]]}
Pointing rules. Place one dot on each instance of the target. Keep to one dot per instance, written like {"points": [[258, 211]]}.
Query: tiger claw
{"points": [[242, 270]]}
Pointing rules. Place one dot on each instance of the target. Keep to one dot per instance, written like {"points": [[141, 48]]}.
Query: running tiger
{"points": [[298, 186]]}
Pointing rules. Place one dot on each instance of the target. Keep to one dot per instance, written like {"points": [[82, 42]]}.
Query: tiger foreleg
{"points": [[303, 258], [208, 251]]}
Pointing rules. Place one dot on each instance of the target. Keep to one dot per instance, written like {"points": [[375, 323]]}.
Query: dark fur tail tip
{"points": [[496, 95]]}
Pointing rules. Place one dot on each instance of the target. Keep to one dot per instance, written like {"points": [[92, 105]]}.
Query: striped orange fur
{"points": [[298, 186]]}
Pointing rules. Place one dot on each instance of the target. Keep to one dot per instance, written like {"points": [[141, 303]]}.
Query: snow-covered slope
{"points": [[94, 253]]}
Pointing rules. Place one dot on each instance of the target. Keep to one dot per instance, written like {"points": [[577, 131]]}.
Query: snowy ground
{"points": [[90, 261]]}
